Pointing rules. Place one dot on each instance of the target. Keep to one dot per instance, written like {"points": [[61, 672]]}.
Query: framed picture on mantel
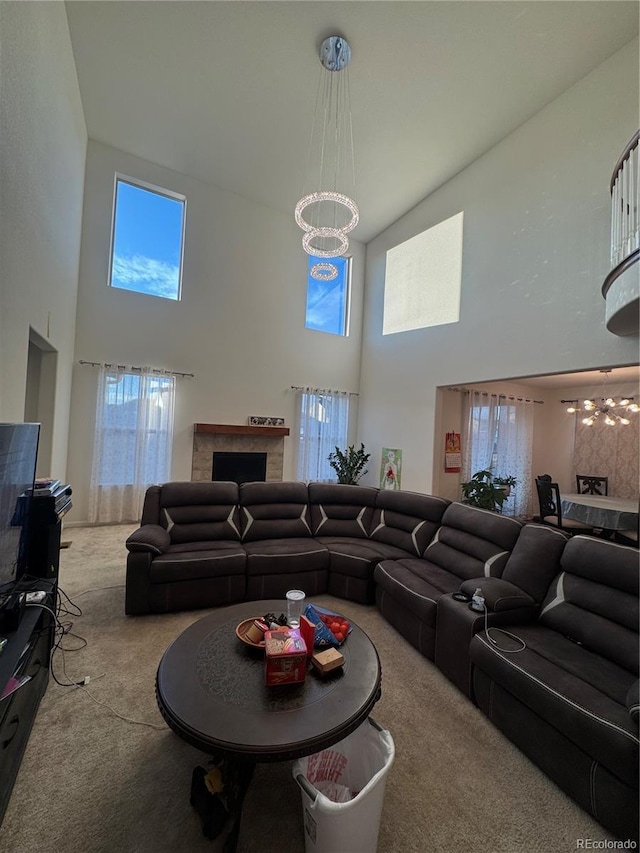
{"points": [[261, 420]]}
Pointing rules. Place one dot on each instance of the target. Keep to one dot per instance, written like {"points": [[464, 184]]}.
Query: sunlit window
{"points": [[147, 239], [328, 295]]}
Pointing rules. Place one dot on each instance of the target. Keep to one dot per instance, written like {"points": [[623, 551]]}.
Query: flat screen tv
{"points": [[18, 456]]}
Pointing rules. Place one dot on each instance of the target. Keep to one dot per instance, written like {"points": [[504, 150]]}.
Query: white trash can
{"points": [[356, 767]]}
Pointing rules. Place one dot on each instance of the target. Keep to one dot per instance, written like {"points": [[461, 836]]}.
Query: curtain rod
{"points": [[323, 390], [134, 368], [499, 396]]}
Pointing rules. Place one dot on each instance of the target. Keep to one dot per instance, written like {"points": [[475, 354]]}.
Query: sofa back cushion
{"points": [[407, 520], [535, 559], [594, 600], [196, 512], [274, 511], [472, 542], [339, 510]]}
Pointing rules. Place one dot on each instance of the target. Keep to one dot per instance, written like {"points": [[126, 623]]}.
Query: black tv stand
{"points": [[28, 652]]}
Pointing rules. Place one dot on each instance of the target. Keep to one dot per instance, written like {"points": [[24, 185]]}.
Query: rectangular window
{"points": [[323, 418], [132, 443], [147, 239], [328, 289], [423, 279]]}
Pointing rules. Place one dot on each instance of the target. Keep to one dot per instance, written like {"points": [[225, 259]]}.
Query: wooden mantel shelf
{"points": [[237, 429]]}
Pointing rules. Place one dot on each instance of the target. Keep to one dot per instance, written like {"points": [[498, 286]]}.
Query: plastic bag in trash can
{"points": [[360, 762]]}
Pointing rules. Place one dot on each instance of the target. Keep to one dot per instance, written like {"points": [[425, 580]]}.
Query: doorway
{"points": [[39, 401]]}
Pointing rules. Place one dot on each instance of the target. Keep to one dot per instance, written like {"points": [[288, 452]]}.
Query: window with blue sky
{"points": [[328, 294], [147, 240]]}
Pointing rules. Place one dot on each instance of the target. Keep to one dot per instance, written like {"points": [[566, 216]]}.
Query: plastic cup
{"points": [[295, 606]]}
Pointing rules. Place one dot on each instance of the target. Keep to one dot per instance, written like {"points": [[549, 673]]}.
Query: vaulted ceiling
{"points": [[225, 91]]}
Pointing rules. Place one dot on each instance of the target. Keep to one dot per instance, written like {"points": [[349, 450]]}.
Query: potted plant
{"points": [[482, 492], [507, 483], [349, 464]]}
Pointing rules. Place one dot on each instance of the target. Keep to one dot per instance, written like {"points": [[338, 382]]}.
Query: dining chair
{"points": [[551, 508], [587, 484]]}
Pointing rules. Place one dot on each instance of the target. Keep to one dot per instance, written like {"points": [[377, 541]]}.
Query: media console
{"points": [[27, 653]]}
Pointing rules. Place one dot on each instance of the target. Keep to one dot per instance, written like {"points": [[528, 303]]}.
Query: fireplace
{"points": [[237, 439], [239, 467]]}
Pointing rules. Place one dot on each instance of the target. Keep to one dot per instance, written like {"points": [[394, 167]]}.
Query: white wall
{"points": [[239, 326], [42, 155], [536, 249]]}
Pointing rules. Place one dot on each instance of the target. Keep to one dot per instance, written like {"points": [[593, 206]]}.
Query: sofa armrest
{"points": [[149, 538], [499, 594]]}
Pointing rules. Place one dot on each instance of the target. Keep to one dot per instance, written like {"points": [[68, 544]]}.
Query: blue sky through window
{"points": [[327, 300], [147, 241]]}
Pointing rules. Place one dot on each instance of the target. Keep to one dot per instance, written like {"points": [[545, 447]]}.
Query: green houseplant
{"points": [[506, 483], [349, 464], [482, 491]]}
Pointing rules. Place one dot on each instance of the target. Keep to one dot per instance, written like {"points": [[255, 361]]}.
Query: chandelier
{"points": [[604, 406], [327, 212]]}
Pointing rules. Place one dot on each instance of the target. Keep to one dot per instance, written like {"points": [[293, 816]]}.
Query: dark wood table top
{"points": [[210, 690]]}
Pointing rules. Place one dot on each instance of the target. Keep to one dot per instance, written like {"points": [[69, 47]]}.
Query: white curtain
{"points": [[478, 443], [132, 442], [323, 425], [499, 437], [514, 447]]}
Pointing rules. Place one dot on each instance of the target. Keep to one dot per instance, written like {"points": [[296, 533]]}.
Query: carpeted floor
{"points": [[92, 780]]}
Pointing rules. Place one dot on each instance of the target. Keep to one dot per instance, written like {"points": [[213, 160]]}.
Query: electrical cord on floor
{"points": [[99, 589], [502, 631], [62, 631], [120, 716]]}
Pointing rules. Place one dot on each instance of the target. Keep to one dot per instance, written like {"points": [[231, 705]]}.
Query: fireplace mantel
{"points": [[237, 429]]}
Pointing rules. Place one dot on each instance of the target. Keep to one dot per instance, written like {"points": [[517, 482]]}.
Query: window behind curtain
{"points": [[323, 423], [133, 441], [499, 437]]}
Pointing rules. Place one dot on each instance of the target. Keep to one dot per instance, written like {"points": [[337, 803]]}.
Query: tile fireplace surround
{"points": [[233, 438]]}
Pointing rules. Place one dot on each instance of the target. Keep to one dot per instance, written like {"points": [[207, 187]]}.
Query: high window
{"points": [[423, 279], [133, 440], [147, 239], [328, 287], [323, 423]]}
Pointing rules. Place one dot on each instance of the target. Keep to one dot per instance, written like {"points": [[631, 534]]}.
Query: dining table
{"points": [[605, 511]]}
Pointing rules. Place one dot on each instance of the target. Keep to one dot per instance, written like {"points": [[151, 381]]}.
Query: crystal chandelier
{"points": [[328, 213], [605, 406]]}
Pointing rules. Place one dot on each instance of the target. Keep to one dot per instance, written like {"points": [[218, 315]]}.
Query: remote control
{"points": [[36, 597]]}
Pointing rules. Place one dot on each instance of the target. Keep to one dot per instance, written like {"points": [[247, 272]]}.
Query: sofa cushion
{"points": [[472, 542], [358, 557], [285, 556], [340, 510], [535, 559], [594, 601], [199, 512], [274, 511], [407, 520], [632, 701], [208, 560], [415, 584], [580, 693]]}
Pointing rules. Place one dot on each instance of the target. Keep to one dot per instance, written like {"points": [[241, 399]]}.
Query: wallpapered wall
{"points": [[609, 452]]}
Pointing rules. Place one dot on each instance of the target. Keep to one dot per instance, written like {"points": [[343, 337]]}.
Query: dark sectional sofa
{"points": [[562, 683]]}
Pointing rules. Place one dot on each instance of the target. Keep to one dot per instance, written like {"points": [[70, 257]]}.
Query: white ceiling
{"points": [[225, 91], [616, 376]]}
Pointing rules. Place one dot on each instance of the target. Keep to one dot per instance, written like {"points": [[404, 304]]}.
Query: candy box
{"points": [[285, 655]]}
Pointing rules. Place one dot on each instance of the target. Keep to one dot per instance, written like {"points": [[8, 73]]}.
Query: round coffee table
{"points": [[210, 689]]}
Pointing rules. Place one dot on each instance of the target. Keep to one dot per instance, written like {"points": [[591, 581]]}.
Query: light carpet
{"points": [[92, 781]]}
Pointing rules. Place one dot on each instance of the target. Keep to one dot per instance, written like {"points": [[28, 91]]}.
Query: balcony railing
{"points": [[621, 286]]}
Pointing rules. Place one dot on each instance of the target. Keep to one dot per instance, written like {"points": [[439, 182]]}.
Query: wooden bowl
{"points": [[241, 633]]}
